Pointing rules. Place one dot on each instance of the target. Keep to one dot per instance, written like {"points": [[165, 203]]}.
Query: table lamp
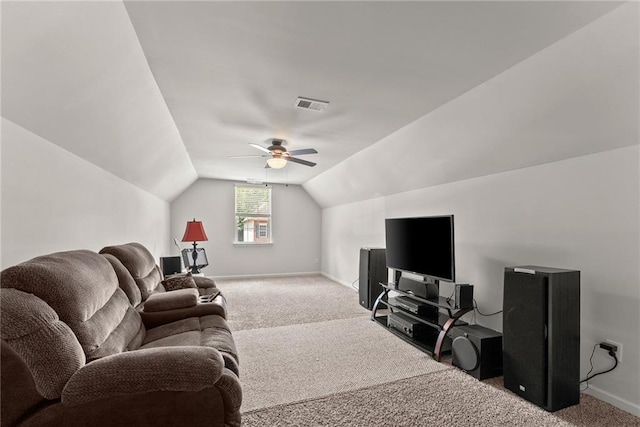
{"points": [[194, 233]]}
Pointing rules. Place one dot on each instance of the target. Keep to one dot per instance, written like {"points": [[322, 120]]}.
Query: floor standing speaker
{"points": [[541, 335], [373, 270]]}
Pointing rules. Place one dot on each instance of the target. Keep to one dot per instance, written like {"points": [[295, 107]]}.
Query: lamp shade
{"points": [[194, 232]]}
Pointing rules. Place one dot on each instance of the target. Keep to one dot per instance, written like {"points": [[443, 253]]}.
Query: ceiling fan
{"points": [[278, 156]]}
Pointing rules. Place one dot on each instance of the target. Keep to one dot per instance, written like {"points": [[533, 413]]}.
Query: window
{"points": [[253, 214], [262, 230]]}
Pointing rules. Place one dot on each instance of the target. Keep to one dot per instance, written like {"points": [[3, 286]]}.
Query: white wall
{"points": [[53, 200], [539, 165], [296, 228], [582, 213]]}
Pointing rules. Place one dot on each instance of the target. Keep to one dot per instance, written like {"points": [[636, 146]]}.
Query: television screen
{"points": [[422, 245]]}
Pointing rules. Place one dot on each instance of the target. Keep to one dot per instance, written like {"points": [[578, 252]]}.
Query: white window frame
{"points": [[269, 216]]}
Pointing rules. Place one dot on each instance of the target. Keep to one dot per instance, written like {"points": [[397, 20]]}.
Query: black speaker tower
{"points": [[541, 335], [373, 270]]}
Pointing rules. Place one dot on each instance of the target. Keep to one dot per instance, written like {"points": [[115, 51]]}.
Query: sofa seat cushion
{"points": [[210, 331], [162, 301]]}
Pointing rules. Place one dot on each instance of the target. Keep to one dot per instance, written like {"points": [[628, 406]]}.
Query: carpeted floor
{"points": [[266, 302], [295, 362], [444, 398], [310, 356]]}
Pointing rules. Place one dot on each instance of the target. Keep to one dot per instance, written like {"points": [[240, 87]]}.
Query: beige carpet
{"points": [[276, 301], [443, 398], [309, 356], [296, 362]]}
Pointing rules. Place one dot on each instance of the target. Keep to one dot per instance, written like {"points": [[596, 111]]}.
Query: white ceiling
{"points": [[159, 93], [579, 96]]}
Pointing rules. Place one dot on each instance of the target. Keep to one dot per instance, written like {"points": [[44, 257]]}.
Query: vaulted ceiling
{"points": [[160, 93]]}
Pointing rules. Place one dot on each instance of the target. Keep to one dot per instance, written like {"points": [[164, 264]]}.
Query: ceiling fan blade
{"points": [[246, 157], [302, 162], [266, 166], [303, 151], [260, 147]]}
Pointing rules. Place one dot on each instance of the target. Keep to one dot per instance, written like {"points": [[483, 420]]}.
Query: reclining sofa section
{"points": [[76, 350]]}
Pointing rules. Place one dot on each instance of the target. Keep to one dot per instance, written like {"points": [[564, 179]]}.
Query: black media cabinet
{"points": [[439, 321]]}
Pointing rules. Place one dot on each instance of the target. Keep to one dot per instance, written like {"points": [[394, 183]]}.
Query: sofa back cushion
{"points": [[127, 284], [141, 265], [47, 345], [82, 288]]}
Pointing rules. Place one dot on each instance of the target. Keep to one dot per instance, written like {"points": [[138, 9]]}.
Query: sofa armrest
{"points": [[181, 298], [151, 319], [183, 368], [204, 282]]}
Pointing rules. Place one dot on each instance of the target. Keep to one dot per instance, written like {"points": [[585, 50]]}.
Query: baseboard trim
{"points": [[335, 279], [616, 401], [249, 276]]}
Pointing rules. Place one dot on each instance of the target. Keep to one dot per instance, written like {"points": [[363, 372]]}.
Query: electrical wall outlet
{"points": [[618, 351]]}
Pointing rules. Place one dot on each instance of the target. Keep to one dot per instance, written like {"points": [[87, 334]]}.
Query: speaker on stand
{"points": [[541, 334], [373, 270]]}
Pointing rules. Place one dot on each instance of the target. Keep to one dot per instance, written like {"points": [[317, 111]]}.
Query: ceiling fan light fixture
{"points": [[276, 162]]}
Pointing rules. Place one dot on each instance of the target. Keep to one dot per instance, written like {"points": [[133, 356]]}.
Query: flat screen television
{"points": [[422, 245]]}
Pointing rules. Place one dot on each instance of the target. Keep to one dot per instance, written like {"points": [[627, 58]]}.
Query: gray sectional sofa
{"points": [[79, 347]]}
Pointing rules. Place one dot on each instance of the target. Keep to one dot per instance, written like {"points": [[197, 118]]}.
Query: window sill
{"points": [[252, 244]]}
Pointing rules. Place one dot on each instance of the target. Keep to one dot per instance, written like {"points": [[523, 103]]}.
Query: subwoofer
{"points": [[477, 351], [541, 335], [373, 270]]}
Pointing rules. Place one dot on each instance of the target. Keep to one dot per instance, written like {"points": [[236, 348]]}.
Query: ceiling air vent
{"points": [[311, 104]]}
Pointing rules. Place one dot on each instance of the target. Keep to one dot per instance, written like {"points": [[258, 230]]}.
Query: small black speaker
{"points": [[477, 351], [373, 270], [170, 265], [464, 296]]}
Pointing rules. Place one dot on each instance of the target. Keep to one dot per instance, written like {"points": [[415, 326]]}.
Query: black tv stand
{"points": [[440, 321]]}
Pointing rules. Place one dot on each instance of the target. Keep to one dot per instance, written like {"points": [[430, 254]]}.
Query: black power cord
{"points": [[589, 376], [475, 307], [477, 310]]}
